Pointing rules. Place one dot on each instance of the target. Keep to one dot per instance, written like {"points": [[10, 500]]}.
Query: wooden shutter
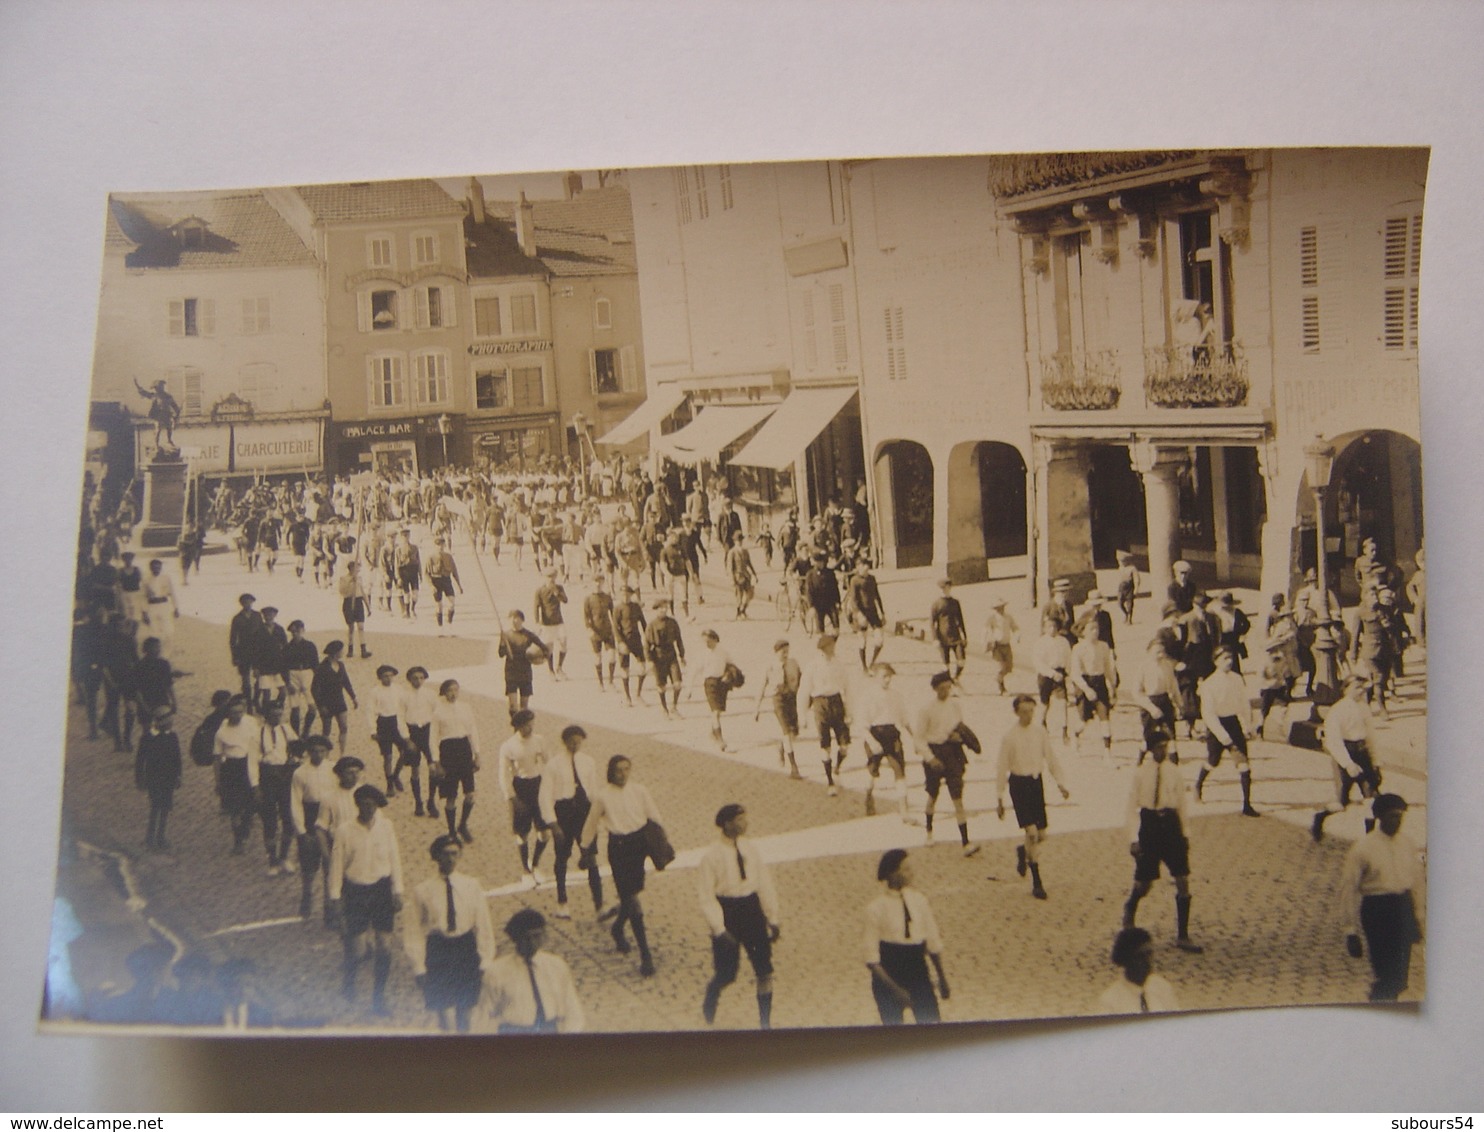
{"points": [[175, 318], [592, 370], [448, 306], [420, 298], [363, 311], [628, 369], [205, 317]]}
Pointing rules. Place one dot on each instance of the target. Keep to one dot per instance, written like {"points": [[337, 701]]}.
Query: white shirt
{"points": [[428, 915], [365, 854], [1157, 786], [1093, 658], [385, 700], [240, 741], [624, 809], [1052, 656], [1378, 865], [883, 708], [1351, 720], [904, 916], [561, 776], [714, 662], [1224, 694], [936, 719], [1156, 996], [520, 758], [718, 874], [159, 585], [454, 721], [418, 705], [273, 744], [338, 809], [509, 998], [822, 677], [310, 784], [1026, 752]]}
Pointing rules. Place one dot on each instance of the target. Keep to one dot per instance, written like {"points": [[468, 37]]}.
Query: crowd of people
{"points": [[285, 746]]}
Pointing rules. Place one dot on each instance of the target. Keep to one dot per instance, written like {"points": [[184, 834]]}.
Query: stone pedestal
{"points": [[164, 501]]}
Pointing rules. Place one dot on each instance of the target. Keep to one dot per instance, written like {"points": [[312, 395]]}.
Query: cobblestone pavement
{"points": [[1264, 893]]}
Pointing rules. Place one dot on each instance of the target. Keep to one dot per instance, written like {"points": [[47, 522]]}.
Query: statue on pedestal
{"points": [[164, 410]]}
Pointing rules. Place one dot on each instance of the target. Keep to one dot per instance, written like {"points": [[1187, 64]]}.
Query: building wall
{"points": [[280, 364], [942, 336], [576, 334], [349, 276]]}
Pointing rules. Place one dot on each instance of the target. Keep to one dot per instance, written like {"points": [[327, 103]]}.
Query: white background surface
{"points": [[173, 95]]}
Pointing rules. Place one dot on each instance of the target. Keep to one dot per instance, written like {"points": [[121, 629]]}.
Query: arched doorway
{"points": [[904, 477], [1115, 503], [986, 510], [1375, 491]]}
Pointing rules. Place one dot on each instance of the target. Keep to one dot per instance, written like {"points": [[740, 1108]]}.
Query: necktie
{"points": [[452, 917], [540, 1021], [1159, 770], [906, 918], [741, 864], [1143, 1002]]}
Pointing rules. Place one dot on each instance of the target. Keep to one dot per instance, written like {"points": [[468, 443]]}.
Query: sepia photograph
{"points": [[840, 593]]}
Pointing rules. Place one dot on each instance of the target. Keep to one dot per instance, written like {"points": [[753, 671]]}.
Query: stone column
{"points": [[1160, 469], [1062, 471]]}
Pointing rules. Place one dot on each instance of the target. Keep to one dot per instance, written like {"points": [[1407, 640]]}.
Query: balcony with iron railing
{"points": [[1196, 377], [1080, 380]]}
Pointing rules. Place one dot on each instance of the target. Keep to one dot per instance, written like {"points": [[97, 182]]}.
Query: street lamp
{"points": [[443, 423], [1319, 462], [579, 430]]}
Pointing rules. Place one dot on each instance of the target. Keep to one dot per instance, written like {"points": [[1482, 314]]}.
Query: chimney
{"points": [[572, 184], [475, 192], [525, 226]]}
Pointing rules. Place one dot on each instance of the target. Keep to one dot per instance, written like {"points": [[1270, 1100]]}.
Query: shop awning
{"points": [[803, 416], [714, 428], [659, 405]]}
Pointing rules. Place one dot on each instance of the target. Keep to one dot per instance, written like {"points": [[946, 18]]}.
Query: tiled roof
{"points": [[241, 230], [379, 200], [591, 234]]}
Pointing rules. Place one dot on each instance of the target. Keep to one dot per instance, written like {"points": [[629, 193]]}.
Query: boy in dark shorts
{"points": [[629, 627], [1156, 831], [517, 646], [947, 621], [783, 678], [666, 649], [1025, 754]]}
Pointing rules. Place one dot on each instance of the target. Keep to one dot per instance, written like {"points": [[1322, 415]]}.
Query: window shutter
{"points": [[1417, 244], [841, 340], [592, 370], [420, 296], [190, 402], [175, 318], [249, 316], [628, 366], [206, 317], [811, 342], [1395, 254], [448, 306], [1309, 257], [363, 311], [1394, 319], [1310, 334]]}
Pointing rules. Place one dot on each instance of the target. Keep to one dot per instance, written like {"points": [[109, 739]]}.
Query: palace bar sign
{"points": [[524, 346]]}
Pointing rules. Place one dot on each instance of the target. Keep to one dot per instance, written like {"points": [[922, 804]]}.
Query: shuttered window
{"points": [[1401, 268], [1309, 289], [896, 344]]}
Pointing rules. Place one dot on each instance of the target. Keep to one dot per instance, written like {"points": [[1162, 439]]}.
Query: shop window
{"points": [[487, 317], [491, 390], [527, 387], [523, 314]]}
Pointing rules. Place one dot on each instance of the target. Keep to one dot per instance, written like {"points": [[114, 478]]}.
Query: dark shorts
{"points": [[453, 971], [1161, 841], [600, 641], [353, 609], [1214, 749], [525, 805], [829, 718], [951, 764], [716, 694], [368, 907], [632, 646], [889, 740], [951, 650], [416, 749], [388, 738], [1166, 715], [786, 711], [518, 684], [442, 586], [744, 919], [457, 758], [1046, 687], [868, 619], [627, 853], [1099, 685], [408, 577], [906, 965], [1028, 796], [237, 792], [666, 672]]}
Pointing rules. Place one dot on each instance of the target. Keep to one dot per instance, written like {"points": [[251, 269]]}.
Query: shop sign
{"points": [[522, 346], [280, 446]]}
